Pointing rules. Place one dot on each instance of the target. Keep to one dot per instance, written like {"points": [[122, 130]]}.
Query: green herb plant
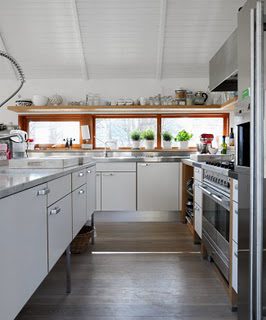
{"points": [[167, 136], [148, 135], [136, 135], [183, 135]]}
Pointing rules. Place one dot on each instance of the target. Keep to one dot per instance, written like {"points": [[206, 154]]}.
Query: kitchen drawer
{"points": [[59, 229], [198, 194], [235, 222], [235, 190], [79, 201], [116, 166], [235, 267], [59, 188], [78, 178], [198, 174]]}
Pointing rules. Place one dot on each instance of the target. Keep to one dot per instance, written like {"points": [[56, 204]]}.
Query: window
{"points": [[54, 132], [119, 129], [195, 125]]}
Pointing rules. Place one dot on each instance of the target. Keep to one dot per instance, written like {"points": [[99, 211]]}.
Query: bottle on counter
{"points": [[224, 146], [232, 138]]}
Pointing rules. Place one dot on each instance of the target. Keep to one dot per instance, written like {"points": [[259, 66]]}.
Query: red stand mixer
{"points": [[206, 141]]}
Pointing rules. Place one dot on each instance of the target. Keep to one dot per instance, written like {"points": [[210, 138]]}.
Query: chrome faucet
{"points": [[105, 154]]}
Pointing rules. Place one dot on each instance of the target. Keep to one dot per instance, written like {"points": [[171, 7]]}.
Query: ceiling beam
{"points": [[4, 48], [161, 39], [83, 64]]}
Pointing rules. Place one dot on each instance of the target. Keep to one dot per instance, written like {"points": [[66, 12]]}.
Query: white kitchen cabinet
{"points": [[91, 191], [197, 193], [23, 245], [98, 191], [235, 267], [198, 219], [235, 222], [158, 186], [79, 203], [59, 188], [59, 229], [118, 191]]}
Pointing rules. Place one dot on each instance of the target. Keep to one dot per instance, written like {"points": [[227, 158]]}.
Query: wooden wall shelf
{"points": [[109, 109]]}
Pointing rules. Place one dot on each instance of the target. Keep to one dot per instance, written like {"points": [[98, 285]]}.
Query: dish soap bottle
{"points": [[232, 138], [224, 146]]}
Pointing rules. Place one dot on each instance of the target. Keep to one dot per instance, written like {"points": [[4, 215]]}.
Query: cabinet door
{"points": [[23, 245], [235, 267], [235, 222], [119, 191], [59, 229], [198, 193], [79, 202], [158, 186], [198, 219], [91, 191], [98, 191]]}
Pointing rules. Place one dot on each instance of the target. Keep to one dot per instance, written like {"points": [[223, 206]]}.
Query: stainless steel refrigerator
{"points": [[249, 122]]}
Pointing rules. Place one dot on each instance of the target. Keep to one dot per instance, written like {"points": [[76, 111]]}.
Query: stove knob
{"points": [[225, 183]]}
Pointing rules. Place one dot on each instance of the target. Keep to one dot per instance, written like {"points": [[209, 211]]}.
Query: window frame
{"points": [[90, 120]]}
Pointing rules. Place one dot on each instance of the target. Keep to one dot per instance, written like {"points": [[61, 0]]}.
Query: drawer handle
{"points": [[144, 164], [81, 174], [55, 211], [81, 191], [43, 192], [108, 174], [88, 171]]}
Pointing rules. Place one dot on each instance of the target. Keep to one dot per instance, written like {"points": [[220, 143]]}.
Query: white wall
{"points": [[109, 89]]}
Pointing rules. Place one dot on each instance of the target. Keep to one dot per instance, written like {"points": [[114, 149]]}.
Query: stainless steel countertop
{"points": [[16, 180]]}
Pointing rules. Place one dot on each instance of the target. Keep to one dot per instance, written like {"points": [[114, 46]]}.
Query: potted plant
{"points": [[183, 137], [167, 140], [136, 139], [148, 135]]}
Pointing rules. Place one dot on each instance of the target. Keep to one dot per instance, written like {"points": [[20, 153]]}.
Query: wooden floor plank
{"points": [[140, 286]]}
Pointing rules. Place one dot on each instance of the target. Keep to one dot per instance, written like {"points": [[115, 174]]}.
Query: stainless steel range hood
{"points": [[223, 67]]}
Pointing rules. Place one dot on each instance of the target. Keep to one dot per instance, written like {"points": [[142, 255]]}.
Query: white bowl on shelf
{"points": [[39, 100]]}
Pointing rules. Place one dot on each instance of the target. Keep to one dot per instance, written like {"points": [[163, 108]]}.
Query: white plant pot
{"points": [[183, 144], [149, 144], [167, 144], [135, 144]]}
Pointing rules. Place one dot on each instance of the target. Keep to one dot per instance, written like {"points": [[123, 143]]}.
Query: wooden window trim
{"points": [[90, 120]]}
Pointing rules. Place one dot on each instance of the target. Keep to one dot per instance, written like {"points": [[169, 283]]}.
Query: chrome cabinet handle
{"points": [[55, 211], [108, 174], [144, 164], [43, 192], [88, 171], [81, 174], [81, 191], [205, 190]]}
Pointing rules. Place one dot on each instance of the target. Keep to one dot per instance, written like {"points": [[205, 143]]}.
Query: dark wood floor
{"points": [[174, 284]]}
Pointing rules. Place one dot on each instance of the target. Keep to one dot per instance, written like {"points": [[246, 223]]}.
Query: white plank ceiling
{"points": [[114, 38]]}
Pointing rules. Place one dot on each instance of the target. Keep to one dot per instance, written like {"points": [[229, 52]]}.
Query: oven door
{"points": [[216, 210]]}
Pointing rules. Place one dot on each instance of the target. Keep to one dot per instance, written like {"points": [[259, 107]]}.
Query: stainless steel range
{"points": [[216, 213]]}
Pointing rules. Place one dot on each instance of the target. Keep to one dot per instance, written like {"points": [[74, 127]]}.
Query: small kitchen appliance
{"points": [[206, 141]]}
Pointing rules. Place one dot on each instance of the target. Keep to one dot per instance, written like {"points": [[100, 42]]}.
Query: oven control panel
{"points": [[217, 179]]}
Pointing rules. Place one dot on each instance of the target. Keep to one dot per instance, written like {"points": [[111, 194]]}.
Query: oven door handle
{"points": [[217, 198], [205, 190]]}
